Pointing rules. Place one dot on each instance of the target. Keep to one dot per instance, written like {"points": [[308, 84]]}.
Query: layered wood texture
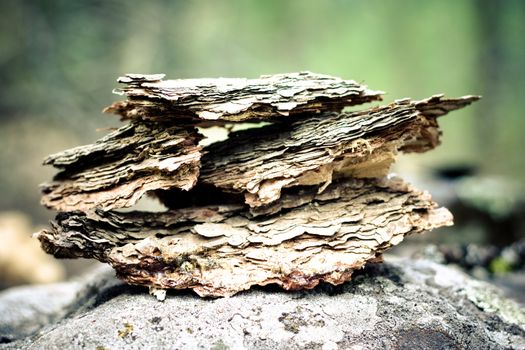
{"points": [[302, 200]]}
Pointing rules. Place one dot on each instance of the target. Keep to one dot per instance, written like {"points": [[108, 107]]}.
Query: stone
{"points": [[402, 304]]}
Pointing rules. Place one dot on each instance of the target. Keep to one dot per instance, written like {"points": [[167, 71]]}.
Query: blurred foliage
{"points": [[495, 196], [59, 61], [500, 266]]}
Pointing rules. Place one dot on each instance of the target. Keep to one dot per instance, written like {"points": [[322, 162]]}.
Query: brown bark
{"points": [[261, 162], [221, 250], [141, 157], [303, 200], [118, 169], [234, 100]]}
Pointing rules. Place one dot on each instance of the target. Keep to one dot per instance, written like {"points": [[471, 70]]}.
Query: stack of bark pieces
{"points": [[304, 199]]}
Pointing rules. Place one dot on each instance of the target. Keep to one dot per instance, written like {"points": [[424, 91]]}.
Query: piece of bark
{"points": [[236, 99], [221, 250], [312, 150], [259, 163], [120, 168]]}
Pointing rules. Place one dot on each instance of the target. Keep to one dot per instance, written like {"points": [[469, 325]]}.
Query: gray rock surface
{"points": [[403, 304]]}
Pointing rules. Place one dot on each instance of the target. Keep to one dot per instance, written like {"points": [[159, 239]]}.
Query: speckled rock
{"points": [[402, 304]]}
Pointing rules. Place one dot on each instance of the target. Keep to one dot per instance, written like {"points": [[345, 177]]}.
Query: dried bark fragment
{"points": [[261, 162], [118, 169], [234, 99], [144, 156], [221, 250], [319, 206]]}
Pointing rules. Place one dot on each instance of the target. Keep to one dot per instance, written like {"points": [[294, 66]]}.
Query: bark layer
{"points": [[303, 200], [120, 168], [221, 250], [261, 162], [234, 100], [144, 156]]}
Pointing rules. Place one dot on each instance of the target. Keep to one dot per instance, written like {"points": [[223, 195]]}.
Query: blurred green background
{"points": [[59, 60]]}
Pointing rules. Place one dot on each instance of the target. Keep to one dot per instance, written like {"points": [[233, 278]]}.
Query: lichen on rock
{"points": [[403, 303]]}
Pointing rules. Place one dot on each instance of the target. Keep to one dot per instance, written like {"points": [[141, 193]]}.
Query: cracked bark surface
{"points": [[142, 157], [120, 168], [234, 99], [303, 200], [261, 162], [221, 250]]}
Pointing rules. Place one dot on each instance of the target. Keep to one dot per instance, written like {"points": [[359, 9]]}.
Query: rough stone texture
{"points": [[402, 304], [24, 310]]}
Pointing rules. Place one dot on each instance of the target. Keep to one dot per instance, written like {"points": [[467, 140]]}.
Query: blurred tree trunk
{"points": [[491, 61]]}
